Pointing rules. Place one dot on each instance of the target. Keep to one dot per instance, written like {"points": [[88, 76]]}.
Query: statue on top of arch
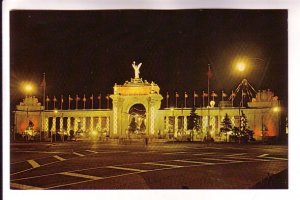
{"points": [[136, 70]]}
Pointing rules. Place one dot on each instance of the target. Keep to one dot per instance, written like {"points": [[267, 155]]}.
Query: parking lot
{"points": [[158, 165]]}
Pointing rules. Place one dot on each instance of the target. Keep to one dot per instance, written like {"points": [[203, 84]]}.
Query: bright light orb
{"points": [[28, 88], [241, 67], [276, 109]]}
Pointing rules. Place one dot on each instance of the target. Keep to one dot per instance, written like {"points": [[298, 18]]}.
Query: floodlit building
{"points": [[137, 113]]}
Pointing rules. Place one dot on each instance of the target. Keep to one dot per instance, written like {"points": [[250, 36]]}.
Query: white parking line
{"points": [[219, 159], [195, 162], [81, 175], [237, 154], [161, 164], [91, 151], [262, 155], [276, 158], [78, 154], [33, 163], [200, 154], [24, 187], [127, 169], [59, 158]]}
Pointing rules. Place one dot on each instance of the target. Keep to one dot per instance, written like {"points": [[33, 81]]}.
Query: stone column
{"points": [[115, 120], [184, 123], [68, 125], [152, 115], [176, 125], [107, 124], [61, 124], [84, 124], [46, 125], [75, 124], [53, 128], [91, 124]]}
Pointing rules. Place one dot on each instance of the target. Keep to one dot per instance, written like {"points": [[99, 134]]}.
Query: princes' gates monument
{"points": [[136, 113]]}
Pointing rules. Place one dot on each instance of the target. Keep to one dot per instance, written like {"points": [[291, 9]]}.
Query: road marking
{"points": [[237, 154], [127, 169], [33, 163], [250, 159], [219, 159], [91, 151], [142, 152], [59, 158], [180, 152], [24, 187], [263, 155], [78, 154], [275, 158], [200, 154], [196, 162], [81, 175], [161, 164]]}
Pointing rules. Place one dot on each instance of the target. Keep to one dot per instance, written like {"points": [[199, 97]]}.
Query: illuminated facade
{"points": [[138, 101]]}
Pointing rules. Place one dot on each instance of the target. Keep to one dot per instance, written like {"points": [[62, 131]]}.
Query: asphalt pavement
{"points": [[158, 165]]}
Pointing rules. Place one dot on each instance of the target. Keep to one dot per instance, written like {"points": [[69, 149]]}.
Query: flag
{"points": [[70, 98], [185, 95], [77, 98], [61, 99], [213, 94], [204, 94], [196, 95], [176, 95], [209, 72], [92, 97], [84, 99], [47, 99], [168, 96], [54, 99], [99, 97], [107, 97], [224, 94]]}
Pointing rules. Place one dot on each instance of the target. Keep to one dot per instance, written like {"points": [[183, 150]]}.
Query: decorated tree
{"points": [[245, 133]]}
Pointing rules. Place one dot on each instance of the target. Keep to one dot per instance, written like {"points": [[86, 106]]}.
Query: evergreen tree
{"points": [[245, 133], [226, 125], [193, 120]]}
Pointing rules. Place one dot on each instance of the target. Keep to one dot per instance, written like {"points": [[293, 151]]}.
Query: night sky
{"points": [[85, 52]]}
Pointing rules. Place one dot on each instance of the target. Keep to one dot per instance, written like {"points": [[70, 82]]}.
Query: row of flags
{"points": [[196, 95], [76, 99]]}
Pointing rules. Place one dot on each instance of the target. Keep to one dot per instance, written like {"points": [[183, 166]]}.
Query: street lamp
{"points": [[27, 88]]}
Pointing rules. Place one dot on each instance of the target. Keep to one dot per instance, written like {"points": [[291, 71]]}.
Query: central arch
{"points": [[137, 120]]}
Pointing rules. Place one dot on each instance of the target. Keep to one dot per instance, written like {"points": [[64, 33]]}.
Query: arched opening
{"points": [[137, 121]]}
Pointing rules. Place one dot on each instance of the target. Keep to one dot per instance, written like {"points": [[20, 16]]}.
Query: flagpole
{"points": [[208, 77], [203, 99], [44, 88], [185, 96], [194, 98], [69, 101], [84, 100], [167, 100], [92, 98], [76, 101]]}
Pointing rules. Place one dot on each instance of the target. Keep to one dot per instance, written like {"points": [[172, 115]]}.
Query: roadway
{"points": [[109, 165]]}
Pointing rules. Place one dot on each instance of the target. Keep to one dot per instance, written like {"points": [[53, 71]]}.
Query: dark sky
{"points": [[88, 51]]}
